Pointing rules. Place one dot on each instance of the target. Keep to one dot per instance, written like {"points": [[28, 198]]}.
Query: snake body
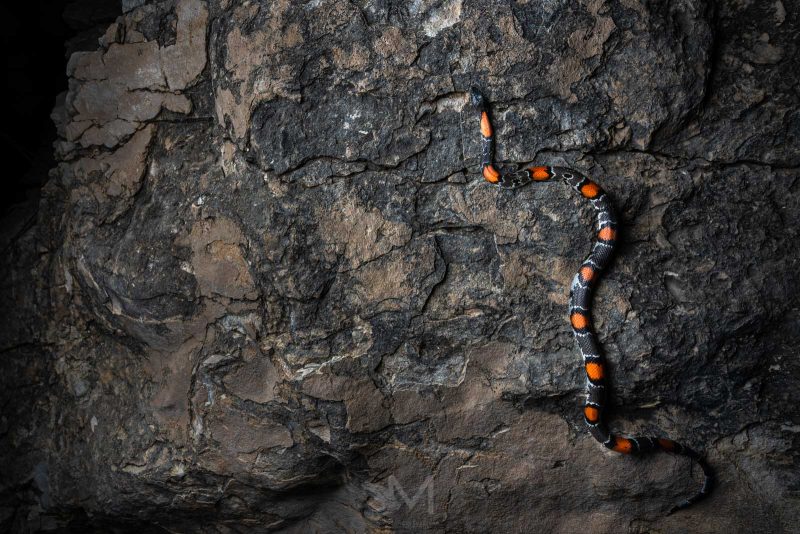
{"points": [[581, 296]]}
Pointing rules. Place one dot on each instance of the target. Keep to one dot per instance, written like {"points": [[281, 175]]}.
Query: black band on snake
{"points": [[581, 297]]}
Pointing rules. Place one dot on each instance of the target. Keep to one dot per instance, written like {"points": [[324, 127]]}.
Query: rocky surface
{"points": [[267, 290]]}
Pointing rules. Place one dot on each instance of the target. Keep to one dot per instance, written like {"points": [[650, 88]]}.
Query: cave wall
{"points": [[267, 290]]}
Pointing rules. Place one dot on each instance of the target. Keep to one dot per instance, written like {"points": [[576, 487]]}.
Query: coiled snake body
{"points": [[581, 296]]}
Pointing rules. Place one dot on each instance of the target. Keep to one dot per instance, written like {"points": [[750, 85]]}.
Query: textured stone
{"points": [[267, 289], [131, 82]]}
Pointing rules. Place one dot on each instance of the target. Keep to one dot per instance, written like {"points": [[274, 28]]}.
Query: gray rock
{"points": [[267, 290]]}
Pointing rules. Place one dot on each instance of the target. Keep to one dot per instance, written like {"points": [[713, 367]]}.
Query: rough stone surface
{"points": [[266, 289]]}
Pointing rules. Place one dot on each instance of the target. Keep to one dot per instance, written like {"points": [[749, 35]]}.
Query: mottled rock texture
{"points": [[267, 289]]}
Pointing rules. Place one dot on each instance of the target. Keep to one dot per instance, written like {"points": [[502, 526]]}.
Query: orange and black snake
{"points": [[581, 297]]}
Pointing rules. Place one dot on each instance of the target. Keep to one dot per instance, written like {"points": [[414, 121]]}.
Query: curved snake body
{"points": [[581, 296]]}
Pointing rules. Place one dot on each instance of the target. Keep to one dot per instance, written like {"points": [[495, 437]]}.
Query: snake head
{"points": [[476, 98]]}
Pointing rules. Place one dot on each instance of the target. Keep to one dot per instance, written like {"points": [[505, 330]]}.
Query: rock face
{"points": [[267, 289]]}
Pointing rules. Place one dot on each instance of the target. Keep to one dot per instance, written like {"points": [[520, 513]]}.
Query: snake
{"points": [[580, 299]]}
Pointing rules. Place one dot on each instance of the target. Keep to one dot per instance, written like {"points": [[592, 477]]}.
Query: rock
{"points": [[267, 290]]}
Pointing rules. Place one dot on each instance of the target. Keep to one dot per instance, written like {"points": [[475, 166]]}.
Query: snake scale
{"points": [[581, 297]]}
